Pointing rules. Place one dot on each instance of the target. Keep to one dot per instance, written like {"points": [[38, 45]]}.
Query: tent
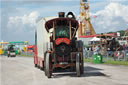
{"points": [[95, 39]]}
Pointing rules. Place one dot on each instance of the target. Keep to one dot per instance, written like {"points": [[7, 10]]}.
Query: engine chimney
{"points": [[61, 14]]}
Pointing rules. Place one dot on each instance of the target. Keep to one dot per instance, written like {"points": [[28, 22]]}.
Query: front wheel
{"points": [[48, 66], [82, 65], [78, 72]]}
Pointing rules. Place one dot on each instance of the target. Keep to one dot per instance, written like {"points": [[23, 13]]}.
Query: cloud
{"points": [[28, 0], [115, 9], [112, 18], [21, 28], [29, 20], [0, 25], [18, 19]]}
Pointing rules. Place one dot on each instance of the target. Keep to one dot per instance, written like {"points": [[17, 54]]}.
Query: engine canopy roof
{"points": [[62, 22]]}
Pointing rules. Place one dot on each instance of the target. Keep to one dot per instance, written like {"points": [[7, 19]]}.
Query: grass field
{"points": [[112, 62]]}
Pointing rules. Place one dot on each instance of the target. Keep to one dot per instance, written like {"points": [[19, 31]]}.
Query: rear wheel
{"points": [[38, 66], [45, 63], [42, 68], [8, 55], [48, 66], [78, 72], [35, 65]]}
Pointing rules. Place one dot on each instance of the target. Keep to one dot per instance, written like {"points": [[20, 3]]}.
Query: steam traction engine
{"points": [[61, 49]]}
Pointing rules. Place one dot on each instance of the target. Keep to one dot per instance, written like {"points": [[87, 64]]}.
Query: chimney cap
{"points": [[61, 14]]}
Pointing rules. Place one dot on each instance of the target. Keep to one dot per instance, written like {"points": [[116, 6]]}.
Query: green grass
{"points": [[111, 62], [125, 63], [87, 60]]}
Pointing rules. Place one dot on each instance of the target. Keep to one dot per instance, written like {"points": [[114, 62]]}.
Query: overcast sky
{"points": [[18, 17]]}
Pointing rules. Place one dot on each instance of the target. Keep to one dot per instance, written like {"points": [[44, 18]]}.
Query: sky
{"points": [[18, 17]]}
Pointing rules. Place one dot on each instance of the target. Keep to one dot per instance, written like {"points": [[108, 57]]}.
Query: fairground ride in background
{"points": [[86, 27]]}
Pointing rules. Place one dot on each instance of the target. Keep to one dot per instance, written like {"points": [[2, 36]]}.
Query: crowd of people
{"points": [[111, 48]]}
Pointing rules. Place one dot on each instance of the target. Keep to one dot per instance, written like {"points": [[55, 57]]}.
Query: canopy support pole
{"points": [[53, 31], [70, 29]]}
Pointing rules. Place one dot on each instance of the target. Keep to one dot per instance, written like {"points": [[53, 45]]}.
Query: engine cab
{"points": [[64, 44]]}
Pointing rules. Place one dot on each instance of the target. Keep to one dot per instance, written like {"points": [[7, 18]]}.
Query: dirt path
{"points": [[21, 71]]}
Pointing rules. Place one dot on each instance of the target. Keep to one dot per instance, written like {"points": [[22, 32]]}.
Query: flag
{"points": [[94, 16], [127, 30]]}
